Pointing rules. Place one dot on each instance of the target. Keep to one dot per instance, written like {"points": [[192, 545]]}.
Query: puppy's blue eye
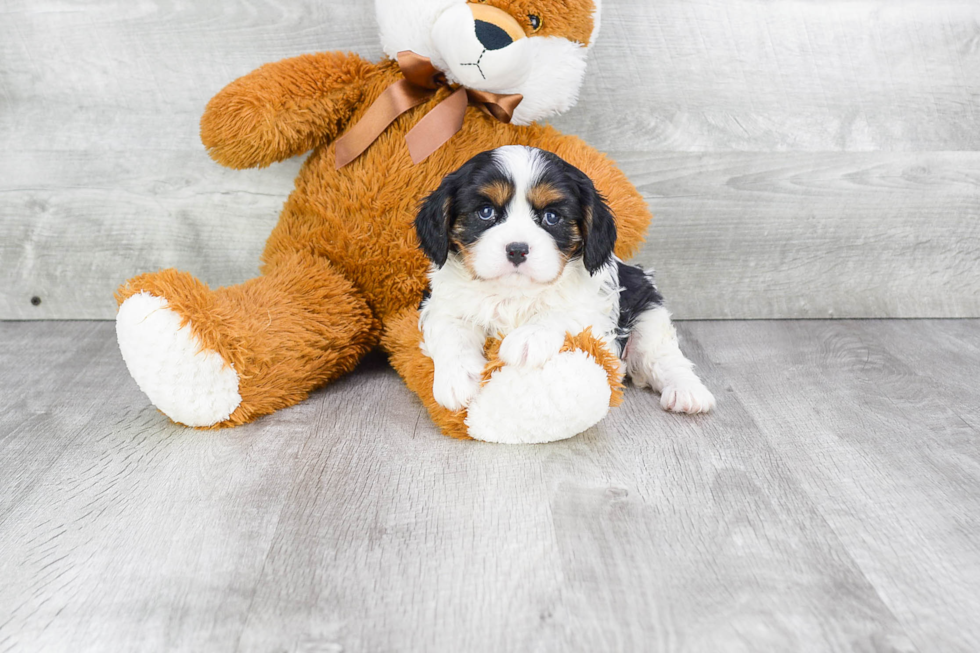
{"points": [[486, 213], [551, 218]]}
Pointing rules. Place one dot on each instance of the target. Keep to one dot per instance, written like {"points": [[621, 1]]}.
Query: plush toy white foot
{"points": [[530, 405], [189, 384]]}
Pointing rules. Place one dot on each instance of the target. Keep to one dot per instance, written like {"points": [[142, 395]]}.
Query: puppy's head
{"points": [[517, 213]]}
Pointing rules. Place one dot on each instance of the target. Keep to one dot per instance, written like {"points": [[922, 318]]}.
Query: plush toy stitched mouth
{"points": [[477, 64]]}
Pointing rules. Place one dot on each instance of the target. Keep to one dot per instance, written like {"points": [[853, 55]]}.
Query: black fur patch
{"points": [[447, 218], [638, 294], [596, 227], [470, 197]]}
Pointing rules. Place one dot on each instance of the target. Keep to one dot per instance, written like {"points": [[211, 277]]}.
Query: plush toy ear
{"points": [[434, 220], [598, 226]]}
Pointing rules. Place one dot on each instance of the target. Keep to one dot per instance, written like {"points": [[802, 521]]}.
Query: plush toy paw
{"points": [[189, 384], [457, 382], [687, 396], [566, 395], [531, 345]]}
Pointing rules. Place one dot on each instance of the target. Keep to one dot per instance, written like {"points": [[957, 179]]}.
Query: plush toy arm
{"points": [[629, 207], [283, 108]]}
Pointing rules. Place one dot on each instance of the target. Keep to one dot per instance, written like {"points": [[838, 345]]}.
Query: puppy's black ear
{"points": [[436, 213], [598, 226], [434, 220]]}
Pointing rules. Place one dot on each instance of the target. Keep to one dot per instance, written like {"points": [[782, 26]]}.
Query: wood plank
{"points": [[135, 534], [878, 421], [829, 505], [802, 235], [50, 380], [573, 547], [679, 75], [72, 248], [735, 236], [867, 112], [788, 75], [399, 539], [690, 535]]}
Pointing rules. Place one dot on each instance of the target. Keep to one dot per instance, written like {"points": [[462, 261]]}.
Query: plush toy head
{"points": [[535, 48]]}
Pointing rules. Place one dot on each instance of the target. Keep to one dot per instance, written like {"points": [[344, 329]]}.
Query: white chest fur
{"points": [[571, 303]]}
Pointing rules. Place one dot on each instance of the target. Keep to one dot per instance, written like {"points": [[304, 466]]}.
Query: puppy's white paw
{"points": [[456, 383], [531, 345], [688, 396]]}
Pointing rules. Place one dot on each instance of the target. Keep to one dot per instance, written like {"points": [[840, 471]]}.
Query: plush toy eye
{"points": [[535, 22], [551, 218], [486, 212]]}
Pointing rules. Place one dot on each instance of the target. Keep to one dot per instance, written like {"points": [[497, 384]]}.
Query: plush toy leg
{"points": [[225, 357], [401, 340], [568, 395]]}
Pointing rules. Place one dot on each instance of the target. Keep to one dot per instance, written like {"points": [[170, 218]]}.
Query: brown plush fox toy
{"points": [[342, 271]]}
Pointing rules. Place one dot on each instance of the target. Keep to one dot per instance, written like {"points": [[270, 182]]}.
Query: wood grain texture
{"points": [[803, 235], [804, 159], [786, 75], [891, 456], [830, 504]]}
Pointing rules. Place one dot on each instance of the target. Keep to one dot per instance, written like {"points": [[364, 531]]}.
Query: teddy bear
{"points": [[342, 272]]}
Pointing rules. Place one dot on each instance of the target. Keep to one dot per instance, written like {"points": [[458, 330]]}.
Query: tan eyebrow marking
{"points": [[499, 192], [544, 194]]}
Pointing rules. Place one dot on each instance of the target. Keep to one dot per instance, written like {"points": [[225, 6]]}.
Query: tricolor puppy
{"points": [[521, 245]]}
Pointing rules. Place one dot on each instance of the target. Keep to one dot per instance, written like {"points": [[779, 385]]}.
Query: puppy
{"points": [[521, 245]]}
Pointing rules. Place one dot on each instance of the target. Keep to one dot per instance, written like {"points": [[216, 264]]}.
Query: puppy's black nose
{"points": [[517, 252], [491, 36]]}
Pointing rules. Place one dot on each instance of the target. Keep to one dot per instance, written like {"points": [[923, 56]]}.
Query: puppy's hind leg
{"points": [[653, 358]]}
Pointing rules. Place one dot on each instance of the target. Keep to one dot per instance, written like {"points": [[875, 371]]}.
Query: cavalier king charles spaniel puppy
{"points": [[521, 245]]}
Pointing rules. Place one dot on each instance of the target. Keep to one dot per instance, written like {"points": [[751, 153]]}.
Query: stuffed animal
{"points": [[342, 272]]}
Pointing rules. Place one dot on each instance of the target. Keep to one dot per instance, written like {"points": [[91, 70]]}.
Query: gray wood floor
{"points": [[831, 504]]}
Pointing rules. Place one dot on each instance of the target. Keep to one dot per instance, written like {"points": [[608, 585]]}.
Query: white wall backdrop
{"points": [[803, 158]]}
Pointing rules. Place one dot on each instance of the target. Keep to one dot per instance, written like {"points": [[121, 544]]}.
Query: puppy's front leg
{"points": [[456, 350], [654, 358]]}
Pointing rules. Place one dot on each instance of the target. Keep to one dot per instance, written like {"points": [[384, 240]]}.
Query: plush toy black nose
{"points": [[517, 252], [491, 36]]}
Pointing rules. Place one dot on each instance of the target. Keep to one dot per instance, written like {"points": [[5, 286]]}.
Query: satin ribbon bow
{"points": [[421, 81]]}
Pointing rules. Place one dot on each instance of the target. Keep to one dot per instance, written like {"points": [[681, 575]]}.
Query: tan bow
{"points": [[422, 80]]}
